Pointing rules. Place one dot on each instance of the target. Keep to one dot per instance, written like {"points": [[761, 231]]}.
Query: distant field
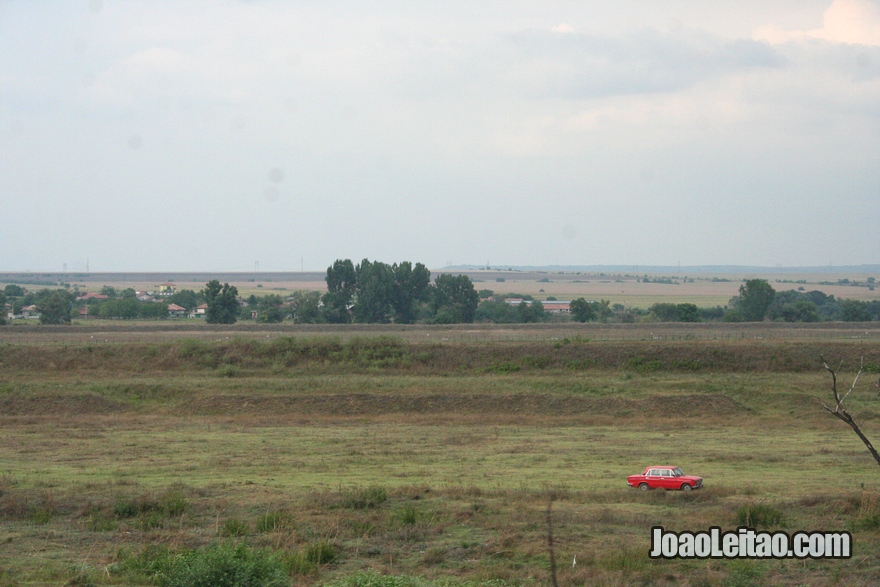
{"points": [[432, 459], [622, 289], [99, 332]]}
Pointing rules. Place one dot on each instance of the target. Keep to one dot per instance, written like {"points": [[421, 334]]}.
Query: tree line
{"points": [[404, 293]]}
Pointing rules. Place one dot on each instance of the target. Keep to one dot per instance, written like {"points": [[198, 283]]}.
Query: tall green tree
{"points": [[375, 292], [341, 288], [800, 311], [125, 308], [109, 291], [454, 299], [306, 307], [581, 310], [222, 303], [55, 308], [755, 297], [533, 312], [270, 309], [412, 287], [495, 310], [665, 312], [854, 311]]}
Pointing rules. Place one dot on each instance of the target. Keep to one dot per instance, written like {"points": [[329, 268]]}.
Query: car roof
{"points": [[662, 467]]}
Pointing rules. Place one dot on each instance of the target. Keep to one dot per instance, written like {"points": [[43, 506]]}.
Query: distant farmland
{"points": [[635, 290]]}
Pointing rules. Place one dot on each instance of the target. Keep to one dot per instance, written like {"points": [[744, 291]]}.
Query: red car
{"points": [[665, 477]]}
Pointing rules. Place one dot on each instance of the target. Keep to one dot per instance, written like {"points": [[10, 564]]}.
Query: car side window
{"points": [[667, 473], [652, 472]]}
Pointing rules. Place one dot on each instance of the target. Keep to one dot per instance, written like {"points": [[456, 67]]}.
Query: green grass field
{"points": [[427, 464]]}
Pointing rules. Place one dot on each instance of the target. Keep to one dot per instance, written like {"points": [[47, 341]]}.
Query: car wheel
{"points": [[686, 487], [643, 486]]}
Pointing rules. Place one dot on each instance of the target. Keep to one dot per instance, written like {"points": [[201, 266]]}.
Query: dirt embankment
{"points": [[372, 405], [387, 355]]}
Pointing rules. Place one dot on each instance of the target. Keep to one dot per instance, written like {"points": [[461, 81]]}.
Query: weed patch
{"points": [[274, 521], [759, 515], [224, 565], [233, 527], [364, 498]]}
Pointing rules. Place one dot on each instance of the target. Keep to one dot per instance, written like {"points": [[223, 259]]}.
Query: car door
{"points": [[666, 479], [653, 478]]}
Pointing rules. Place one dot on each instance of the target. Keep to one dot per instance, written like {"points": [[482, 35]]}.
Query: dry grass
{"points": [[440, 468]]}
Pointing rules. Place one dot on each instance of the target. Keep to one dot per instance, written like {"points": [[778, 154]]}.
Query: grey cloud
{"points": [[588, 66]]}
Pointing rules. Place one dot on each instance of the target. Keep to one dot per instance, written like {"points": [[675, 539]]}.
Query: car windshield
{"points": [[676, 472]]}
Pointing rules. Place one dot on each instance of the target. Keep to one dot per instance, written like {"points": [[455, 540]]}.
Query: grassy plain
{"points": [[435, 460]]}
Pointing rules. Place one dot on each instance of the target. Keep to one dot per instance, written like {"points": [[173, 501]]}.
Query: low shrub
{"points": [[408, 515], [759, 515], [505, 367], [321, 553], [171, 504], [273, 521], [234, 527], [361, 498], [225, 565]]}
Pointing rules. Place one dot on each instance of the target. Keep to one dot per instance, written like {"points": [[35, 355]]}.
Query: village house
{"points": [[551, 306], [30, 312], [557, 306], [174, 310]]}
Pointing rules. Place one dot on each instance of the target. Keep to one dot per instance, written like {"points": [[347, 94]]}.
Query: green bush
{"points": [[321, 553], [225, 565], [641, 365], [408, 515], [152, 512], [82, 576], [372, 579], [41, 515], [868, 522], [758, 515], [362, 498], [505, 367], [234, 527]]}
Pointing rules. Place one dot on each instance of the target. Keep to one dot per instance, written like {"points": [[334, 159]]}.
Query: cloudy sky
{"points": [[214, 135]]}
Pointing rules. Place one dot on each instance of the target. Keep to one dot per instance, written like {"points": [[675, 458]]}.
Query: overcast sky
{"points": [[212, 135]]}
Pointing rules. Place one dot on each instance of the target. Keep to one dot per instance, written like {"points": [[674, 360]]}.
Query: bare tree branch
{"points": [[840, 412]]}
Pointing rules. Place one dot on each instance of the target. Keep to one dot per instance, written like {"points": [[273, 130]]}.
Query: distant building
{"points": [[551, 306], [557, 307], [175, 310], [30, 312], [166, 289], [92, 296]]}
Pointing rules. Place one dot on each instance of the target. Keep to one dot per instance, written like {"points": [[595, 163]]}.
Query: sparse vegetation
{"points": [[385, 461]]}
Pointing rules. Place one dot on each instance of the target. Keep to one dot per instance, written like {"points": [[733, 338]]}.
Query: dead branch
{"points": [[840, 412]]}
